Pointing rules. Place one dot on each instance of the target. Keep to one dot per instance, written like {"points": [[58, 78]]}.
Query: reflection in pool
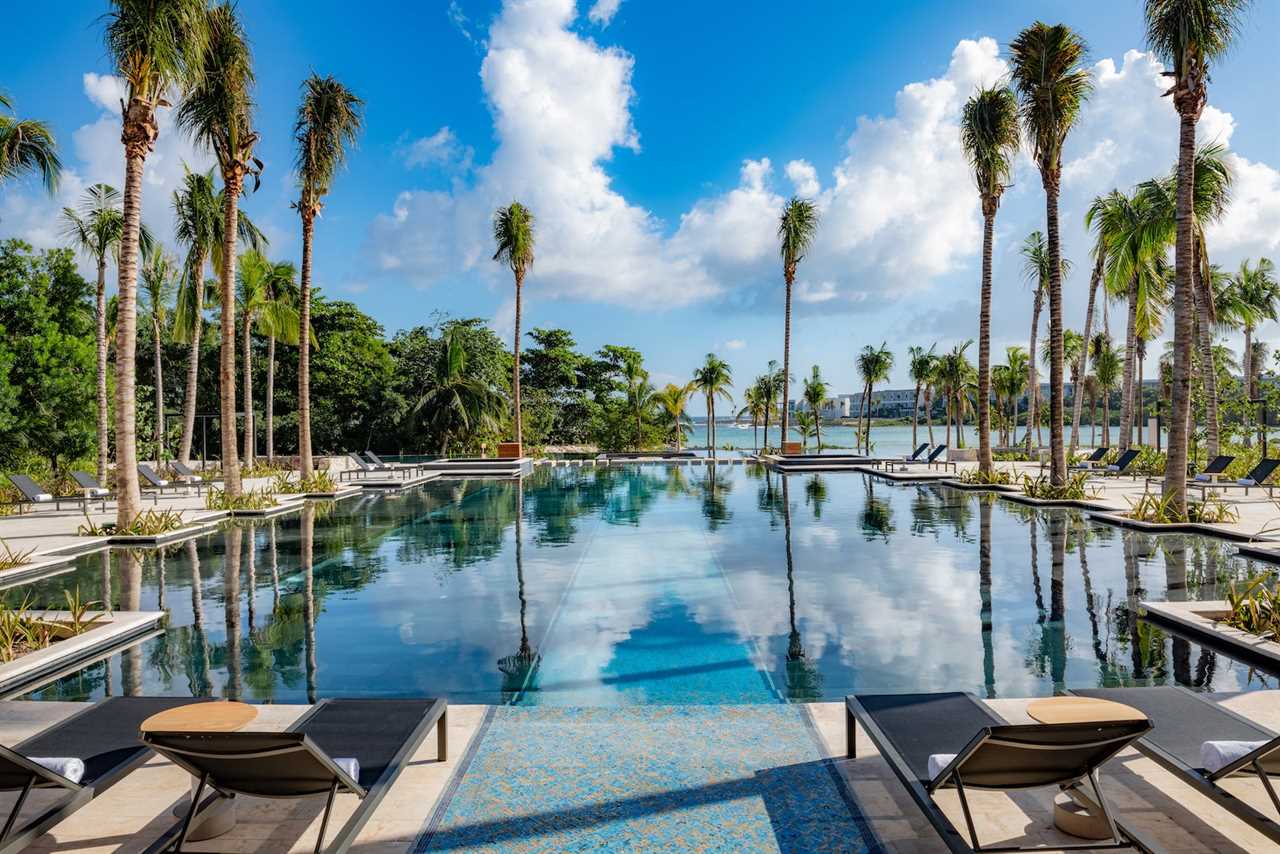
{"points": [[652, 584]]}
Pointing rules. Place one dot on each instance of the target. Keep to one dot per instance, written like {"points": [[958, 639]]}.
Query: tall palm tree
{"points": [[1095, 279], [1188, 35], [1035, 267], [329, 121], [1072, 346], [198, 222], [672, 401], [457, 403], [797, 227], [754, 407], [513, 234], [159, 283], [770, 385], [218, 113], [714, 379], [27, 147], [1015, 359], [156, 47], [957, 377], [1052, 84], [1106, 371], [874, 365], [1256, 294], [815, 394], [264, 303], [919, 368], [989, 134]]}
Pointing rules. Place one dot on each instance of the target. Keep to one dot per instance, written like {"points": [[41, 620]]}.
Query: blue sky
{"points": [[639, 134]]}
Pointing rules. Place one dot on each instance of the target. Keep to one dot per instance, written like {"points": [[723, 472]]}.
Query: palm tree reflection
{"points": [[519, 670], [231, 609], [131, 600], [198, 677], [984, 593], [877, 514], [307, 546], [804, 680], [815, 494]]}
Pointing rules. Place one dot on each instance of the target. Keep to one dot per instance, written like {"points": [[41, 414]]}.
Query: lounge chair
{"points": [[154, 483], [354, 746], [1209, 475], [910, 458], [363, 468], [1121, 465], [1256, 478], [91, 751], [34, 494], [928, 461], [952, 739], [1092, 460], [377, 461], [1190, 730], [191, 476]]}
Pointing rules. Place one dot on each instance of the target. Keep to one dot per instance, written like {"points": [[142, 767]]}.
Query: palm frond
{"points": [[329, 121]]}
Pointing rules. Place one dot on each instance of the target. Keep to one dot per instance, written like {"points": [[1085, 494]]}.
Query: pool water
{"points": [[654, 584]]}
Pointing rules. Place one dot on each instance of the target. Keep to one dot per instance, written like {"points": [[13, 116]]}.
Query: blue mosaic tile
{"points": [[700, 778]]}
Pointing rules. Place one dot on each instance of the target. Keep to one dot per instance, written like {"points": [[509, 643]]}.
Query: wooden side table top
{"points": [[222, 716], [1081, 710]]}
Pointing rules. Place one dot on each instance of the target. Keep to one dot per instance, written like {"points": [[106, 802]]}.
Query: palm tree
{"points": [[156, 48], [806, 426], [457, 403], [770, 384], [159, 275], [956, 376], [27, 147], [920, 367], [94, 229], [1051, 83], [198, 222], [513, 234], [1106, 371], [815, 394], [218, 113], [1015, 359], [1255, 294], [672, 401], [755, 408], [1036, 271], [874, 365], [641, 397], [1081, 369], [329, 121], [989, 134], [1188, 35], [264, 302], [714, 379], [796, 229]]}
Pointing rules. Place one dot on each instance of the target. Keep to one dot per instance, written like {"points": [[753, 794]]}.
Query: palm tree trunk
{"points": [[1106, 418], [271, 398], [1175, 472], [247, 373], [515, 371], [1130, 354], [155, 328], [193, 363], [767, 407], [786, 360], [915, 417], [1082, 363], [231, 609], [928, 412], [104, 411], [305, 467], [137, 137], [984, 597], [1057, 450], [1247, 365], [817, 430], [711, 426], [985, 464], [1033, 387], [233, 182], [1137, 399], [1209, 371]]}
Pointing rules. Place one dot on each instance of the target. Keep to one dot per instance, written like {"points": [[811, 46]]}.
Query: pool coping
{"points": [[1200, 620], [70, 654]]}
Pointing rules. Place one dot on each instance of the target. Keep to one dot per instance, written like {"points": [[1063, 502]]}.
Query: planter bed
{"points": [[105, 638], [1003, 488], [288, 504], [40, 565], [204, 526], [1023, 498], [1268, 552], [1221, 533], [338, 495], [925, 476], [1199, 621]]}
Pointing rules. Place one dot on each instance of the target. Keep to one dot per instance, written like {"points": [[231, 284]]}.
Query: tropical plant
{"points": [[159, 283], [714, 379], [329, 121], [1095, 279], [1035, 268], [1254, 294], [1013, 384], [797, 228], [254, 499], [1189, 36], [989, 134], [956, 376], [27, 147], [1253, 607], [514, 237], [218, 113], [156, 48], [151, 523], [1161, 510], [815, 394], [755, 409], [1106, 371], [640, 398], [874, 365], [14, 558], [265, 303], [1047, 73], [806, 424], [920, 363], [671, 402], [1076, 488], [457, 402], [770, 384]]}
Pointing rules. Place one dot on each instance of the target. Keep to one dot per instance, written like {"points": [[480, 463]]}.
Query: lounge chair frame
{"points": [[1206, 784], [1259, 484], [856, 713], [1092, 461], [151, 482], [27, 500], [436, 716]]}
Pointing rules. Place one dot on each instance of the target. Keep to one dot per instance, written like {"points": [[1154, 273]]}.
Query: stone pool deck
{"points": [[131, 815]]}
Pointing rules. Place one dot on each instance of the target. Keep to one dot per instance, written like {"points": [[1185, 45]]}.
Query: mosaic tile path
{"points": [[652, 778]]}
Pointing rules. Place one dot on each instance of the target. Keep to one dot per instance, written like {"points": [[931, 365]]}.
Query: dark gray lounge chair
{"points": [[1256, 478], [1091, 460], [33, 494], [915, 455], [928, 462], [104, 737], [363, 469], [193, 477], [1183, 722], [154, 483], [1121, 465], [1208, 476], [354, 746], [378, 461], [952, 739]]}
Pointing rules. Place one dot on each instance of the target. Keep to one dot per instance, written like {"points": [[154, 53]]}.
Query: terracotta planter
{"points": [[790, 447], [509, 450]]}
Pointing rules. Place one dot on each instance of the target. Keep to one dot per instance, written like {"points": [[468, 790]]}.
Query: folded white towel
{"points": [[43, 496], [1247, 481], [1113, 468], [99, 491], [937, 762], [67, 766], [1216, 755], [350, 765], [1203, 478]]}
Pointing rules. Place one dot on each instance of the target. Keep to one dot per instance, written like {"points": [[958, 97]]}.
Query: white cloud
{"points": [[734, 344], [105, 90], [803, 177], [602, 11], [442, 148]]}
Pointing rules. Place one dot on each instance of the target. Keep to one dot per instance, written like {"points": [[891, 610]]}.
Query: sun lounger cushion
{"points": [[349, 765], [1203, 478], [42, 496], [69, 767], [1216, 755], [938, 761], [1247, 481]]}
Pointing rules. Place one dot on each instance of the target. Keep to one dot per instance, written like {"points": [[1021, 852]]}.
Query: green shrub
{"points": [[218, 499], [996, 477], [1075, 489], [151, 523], [1154, 507], [1254, 608]]}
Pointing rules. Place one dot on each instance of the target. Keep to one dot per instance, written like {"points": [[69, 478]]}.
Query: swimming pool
{"points": [[655, 584]]}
